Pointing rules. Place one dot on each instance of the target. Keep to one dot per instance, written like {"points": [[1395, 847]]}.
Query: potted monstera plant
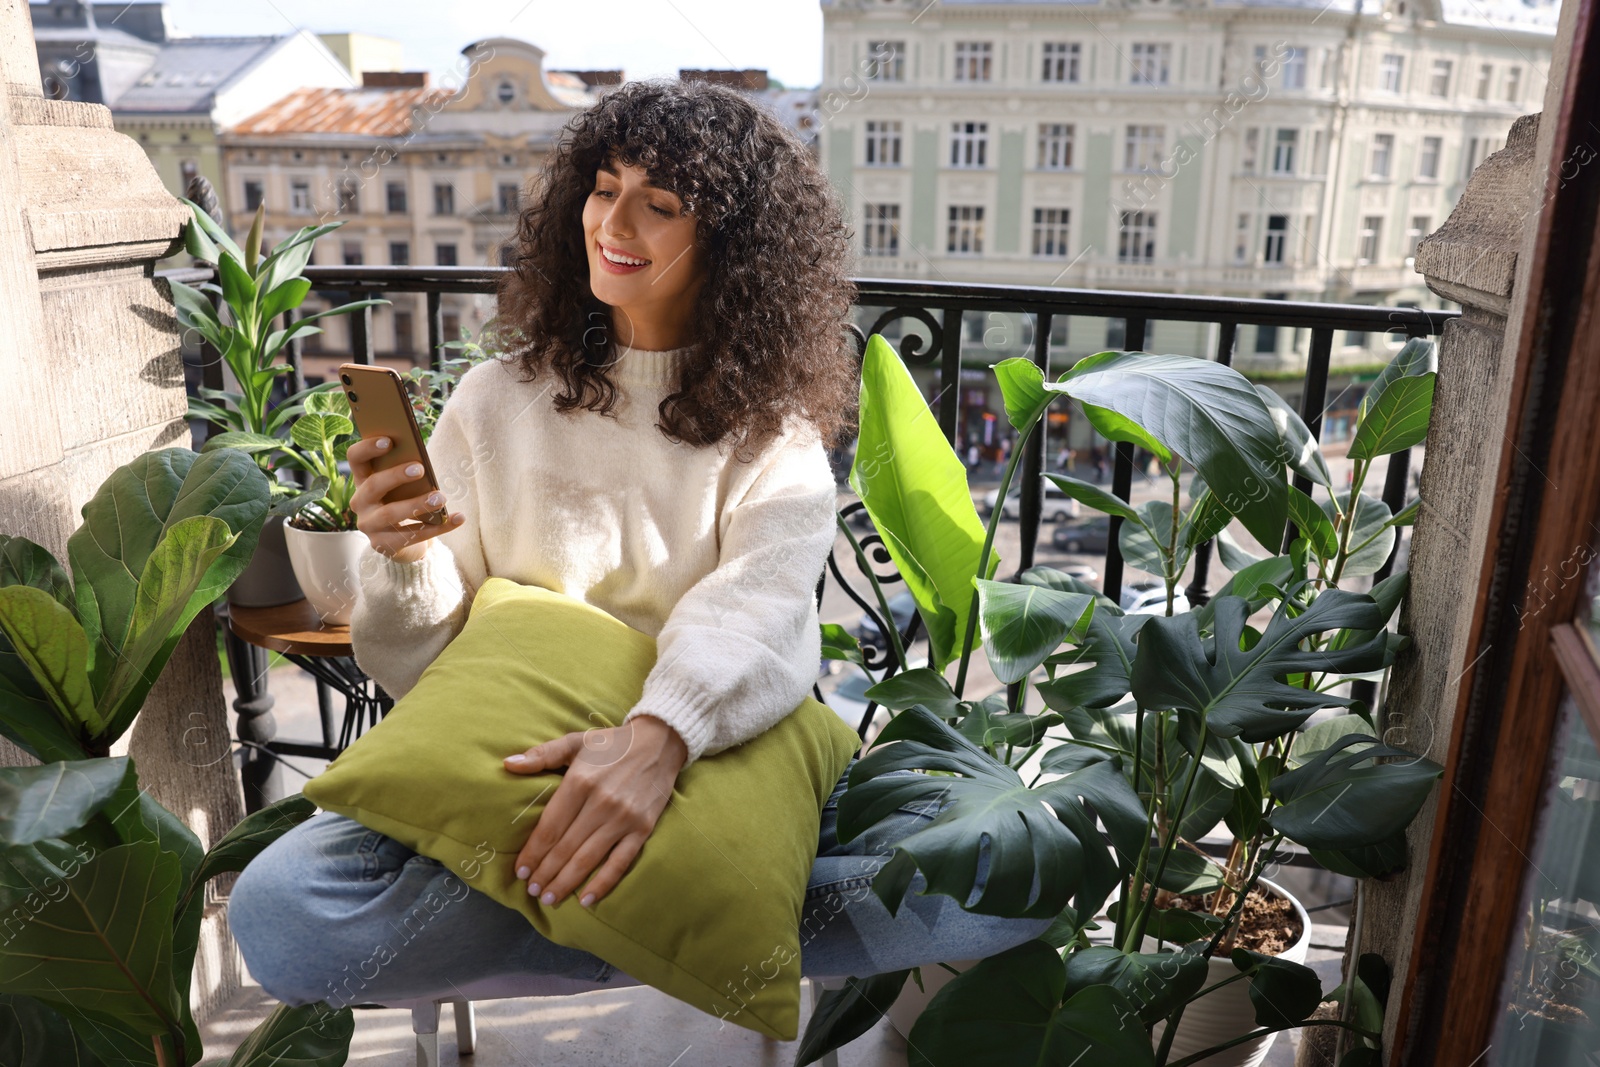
{"points": [[1156, 729], [256, 291], [103, 888]]}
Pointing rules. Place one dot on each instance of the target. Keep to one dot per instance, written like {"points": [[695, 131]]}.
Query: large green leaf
{"points": [[1092, 495], [54, 799], [842, 1015], [1155, 983], [1300, 450], [915, 490], [1418, 356], [35, 1035], [1146, 553], [1396, 420], [48, 640], [1313, 523], [919, 685], [1021, 624], [1371, 539], [1242, 692], [1343, 800], [1109, 648], [1284, 993], [105, 945], [1207, 413], [1066, 852], [1008, 1011], [125, 523], [311, 1035], [24, 563]]}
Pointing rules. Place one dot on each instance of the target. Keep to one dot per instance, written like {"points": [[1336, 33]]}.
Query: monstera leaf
{"points": [[915, 490], [1344, 800], [163, 538], [1110, 649], [1065, 851], [1240, 691], [1015, 1009]]}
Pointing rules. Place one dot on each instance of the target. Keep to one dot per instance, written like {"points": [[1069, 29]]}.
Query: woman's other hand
{"points": [[618, 781], [380, 521]]}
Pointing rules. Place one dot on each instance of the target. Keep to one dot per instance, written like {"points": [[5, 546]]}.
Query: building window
{"points": [[505, 92], [1439, 84], [1062, 61], [510, 195], [404, 339], [966, 230], [883, 143], [1391, 71], [508, 255], [1252, 148], [1267, 336], [887, 61], [1294, 69], [347, 197], [254, 195], [1055, 145], [969, 143], [399, 253], [881, 235], [395, 196], [444, 198], [1141, 150], [444, 255], [1485, 80], [1277, 237], [973, 60], [1152, 63], [1513, 84], [1421, 226], [1283, 151], [1371, 230], [1428, 159], [1136, 237], [450, 325], [352, 254], [1382, 156], [1050, 231], [1241, 240], [300, 198], [1319, 151]]}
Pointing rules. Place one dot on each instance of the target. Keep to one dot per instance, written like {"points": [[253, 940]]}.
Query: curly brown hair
{"points": [[770, 336]]}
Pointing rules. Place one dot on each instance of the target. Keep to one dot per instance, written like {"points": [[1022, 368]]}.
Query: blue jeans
{"points": [[334, 911]]}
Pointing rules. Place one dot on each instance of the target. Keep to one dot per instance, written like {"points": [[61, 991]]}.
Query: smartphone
{"points": [[380, 406]]}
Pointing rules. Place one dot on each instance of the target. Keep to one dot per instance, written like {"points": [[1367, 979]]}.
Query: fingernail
{"points": [[522, 873], [518, 758], [435, 499], [533, 889], [457, 517], [548, 898], [383, 442], [414, 469], [588, 898]]}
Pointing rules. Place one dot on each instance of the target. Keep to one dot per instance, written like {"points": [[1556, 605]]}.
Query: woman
{"points": [[657, 449]]}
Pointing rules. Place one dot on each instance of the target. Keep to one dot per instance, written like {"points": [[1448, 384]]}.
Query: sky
{"points": [[645, 38]]}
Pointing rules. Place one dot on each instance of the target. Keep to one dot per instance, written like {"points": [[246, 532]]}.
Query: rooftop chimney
{"points": [[394, 79]]}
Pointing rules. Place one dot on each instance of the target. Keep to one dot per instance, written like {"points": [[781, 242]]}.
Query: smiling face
{"points": [[643, 260]]}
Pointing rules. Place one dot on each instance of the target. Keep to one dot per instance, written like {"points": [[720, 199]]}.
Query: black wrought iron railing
{"points": [[940, 308]]}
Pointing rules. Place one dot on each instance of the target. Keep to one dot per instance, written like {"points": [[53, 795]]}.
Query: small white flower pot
{"points": [[1227, 1013], [909, 1005], [327, 566]]}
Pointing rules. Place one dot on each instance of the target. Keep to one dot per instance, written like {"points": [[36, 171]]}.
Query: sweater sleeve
{"points": [[408, 612], [740, 649]]}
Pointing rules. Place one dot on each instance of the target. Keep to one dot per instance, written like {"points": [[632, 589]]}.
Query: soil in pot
{"points": [[1267, 924]]}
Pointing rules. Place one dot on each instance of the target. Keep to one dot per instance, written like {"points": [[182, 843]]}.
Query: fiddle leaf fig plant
{"points": [[255, 291], [1156, 730], [102, 887]]}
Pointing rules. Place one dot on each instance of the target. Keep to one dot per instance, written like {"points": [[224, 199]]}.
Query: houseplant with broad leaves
{"points": [[102, 887], [1155, 729], [256, 291]]}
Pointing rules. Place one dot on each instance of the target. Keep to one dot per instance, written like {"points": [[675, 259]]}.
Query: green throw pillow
{"points": [[709, 912]]}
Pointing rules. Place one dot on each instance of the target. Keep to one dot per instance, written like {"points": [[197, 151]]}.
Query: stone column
{"points": [[92, 378]]}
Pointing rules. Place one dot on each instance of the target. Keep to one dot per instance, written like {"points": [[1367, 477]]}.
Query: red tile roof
{"points": [[368, 112]]}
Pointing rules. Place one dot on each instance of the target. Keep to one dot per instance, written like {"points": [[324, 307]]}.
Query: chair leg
{"points": [[829, 1059], [425, 1025], [466, 1028]]}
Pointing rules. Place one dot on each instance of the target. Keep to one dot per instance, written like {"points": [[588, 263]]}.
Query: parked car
{"points": [[1057, 505], [902, 606], [1150, 598], [849, 697], [1089, 535]]}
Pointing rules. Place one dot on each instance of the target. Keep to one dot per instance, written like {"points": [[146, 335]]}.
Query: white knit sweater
{"points": [[718, 560]]}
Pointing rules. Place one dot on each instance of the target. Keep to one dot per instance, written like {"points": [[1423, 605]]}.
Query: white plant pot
{"points": [[327, 566], [1227, 1013], [908, 1006]]}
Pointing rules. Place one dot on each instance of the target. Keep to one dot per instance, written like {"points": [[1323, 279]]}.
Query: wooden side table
{"points": [[295, 631]]}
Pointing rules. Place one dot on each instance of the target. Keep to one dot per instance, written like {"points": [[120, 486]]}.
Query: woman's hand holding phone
{"points": [[380, 521]]}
